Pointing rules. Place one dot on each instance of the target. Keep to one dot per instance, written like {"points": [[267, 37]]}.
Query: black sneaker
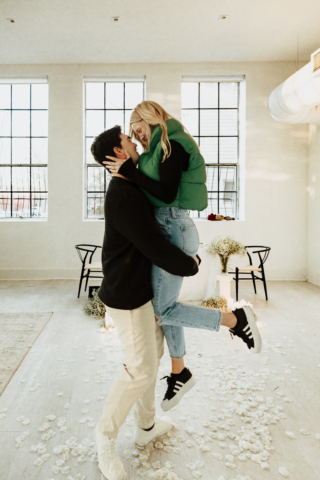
{"points": [[178, 385], [246, 328]]}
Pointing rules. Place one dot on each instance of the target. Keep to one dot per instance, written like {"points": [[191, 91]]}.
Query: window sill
{"points": [[200, 220], [12, 220]]}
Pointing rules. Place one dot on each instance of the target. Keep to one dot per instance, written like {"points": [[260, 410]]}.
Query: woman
{"points": [[172, 174]]}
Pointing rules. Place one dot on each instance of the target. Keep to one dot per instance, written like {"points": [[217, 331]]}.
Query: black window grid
{"points": [[218, 165], [106, 176], [31, 194]]}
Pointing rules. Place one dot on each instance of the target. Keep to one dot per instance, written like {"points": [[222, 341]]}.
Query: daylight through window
{"points": [[23, 150], [210, 112], [107, 103]]}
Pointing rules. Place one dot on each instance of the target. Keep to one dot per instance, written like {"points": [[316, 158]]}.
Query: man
{"points": [[132, 243]]}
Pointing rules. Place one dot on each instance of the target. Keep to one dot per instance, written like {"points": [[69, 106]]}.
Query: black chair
{"points": [[86, 253], [251, 270]]}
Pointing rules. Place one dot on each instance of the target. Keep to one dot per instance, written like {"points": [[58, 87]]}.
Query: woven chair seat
{"points": [[248, 268], [93, 266]]}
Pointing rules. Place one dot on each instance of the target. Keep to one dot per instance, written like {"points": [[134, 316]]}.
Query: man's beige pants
{"points": [[142, 344]]}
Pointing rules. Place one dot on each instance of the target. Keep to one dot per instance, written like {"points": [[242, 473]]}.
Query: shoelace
{"points": [[170, 383], [243, 335], [109, 448], [112, 450]]}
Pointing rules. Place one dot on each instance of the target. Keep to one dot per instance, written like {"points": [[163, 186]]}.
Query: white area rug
{"points": [[18, 332]]}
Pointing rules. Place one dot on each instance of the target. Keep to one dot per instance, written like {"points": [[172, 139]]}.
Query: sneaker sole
{"points": [[167, 405], [108, 478], [163, 432], [254, 329]]}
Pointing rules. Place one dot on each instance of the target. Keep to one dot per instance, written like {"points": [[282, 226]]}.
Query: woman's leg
{"points": [[182, 232], [241, 323], [174, 335]]}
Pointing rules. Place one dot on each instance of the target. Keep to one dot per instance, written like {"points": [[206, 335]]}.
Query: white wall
{"points": [[276, 172], [314, 205]]}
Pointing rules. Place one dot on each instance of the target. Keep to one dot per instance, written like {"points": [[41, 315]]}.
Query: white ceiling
{"points": [[81, 31]]}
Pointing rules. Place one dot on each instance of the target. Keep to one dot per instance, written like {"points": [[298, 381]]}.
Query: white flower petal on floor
{"points": [[242, 457], [218, 456], [196, 474], [65, 470], [189, 443], [205, 448], [291, 435], [44, 427], [230, 458], [304, 431], [284, 472], [50, 418]]}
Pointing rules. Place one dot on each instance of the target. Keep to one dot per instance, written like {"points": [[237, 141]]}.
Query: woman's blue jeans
{"points": [[180, 229]]}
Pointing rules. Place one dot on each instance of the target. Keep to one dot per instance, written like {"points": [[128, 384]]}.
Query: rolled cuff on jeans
{"points": [[192, 316]]}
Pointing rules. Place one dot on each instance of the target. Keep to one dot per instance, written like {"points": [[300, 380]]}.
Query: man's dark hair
{"points": [[104, 144]]}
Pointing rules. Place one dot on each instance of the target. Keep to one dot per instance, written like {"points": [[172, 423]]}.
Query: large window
{"points": [[107, 103], [211, 113], [23, 148]]}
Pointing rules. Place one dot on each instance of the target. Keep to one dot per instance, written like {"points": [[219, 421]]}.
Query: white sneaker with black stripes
{"points": [[178, 385], [246, 328]]}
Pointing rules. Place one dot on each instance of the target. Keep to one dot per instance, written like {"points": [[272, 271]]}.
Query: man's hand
{"points": [[197, 260], [114, 164]]}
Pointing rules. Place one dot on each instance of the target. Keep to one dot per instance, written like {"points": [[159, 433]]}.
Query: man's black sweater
{"points": [[132, 243]]}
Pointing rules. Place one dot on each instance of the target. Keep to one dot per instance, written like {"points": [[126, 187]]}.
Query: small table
{"points": [[225, 287]]}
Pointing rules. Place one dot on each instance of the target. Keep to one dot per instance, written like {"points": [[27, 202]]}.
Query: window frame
{"points": [[240, 165], [25, 80], [105, 80]]}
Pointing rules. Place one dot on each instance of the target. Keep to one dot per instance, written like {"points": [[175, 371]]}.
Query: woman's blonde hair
{"points": [[153, 115]]}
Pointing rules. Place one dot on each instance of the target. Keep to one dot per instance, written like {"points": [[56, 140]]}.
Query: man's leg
{"points": [[136, 330], [148, 428], [144, 408]]}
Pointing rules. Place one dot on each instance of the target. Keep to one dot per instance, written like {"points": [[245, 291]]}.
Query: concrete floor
{"points": [[72, 356]]}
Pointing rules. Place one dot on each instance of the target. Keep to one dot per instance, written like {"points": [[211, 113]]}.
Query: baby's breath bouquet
{"points": [[217, 303], [94, 307], [224, 247]]}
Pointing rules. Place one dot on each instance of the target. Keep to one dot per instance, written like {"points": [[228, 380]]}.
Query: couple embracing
{"points": [[150, 244]]}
